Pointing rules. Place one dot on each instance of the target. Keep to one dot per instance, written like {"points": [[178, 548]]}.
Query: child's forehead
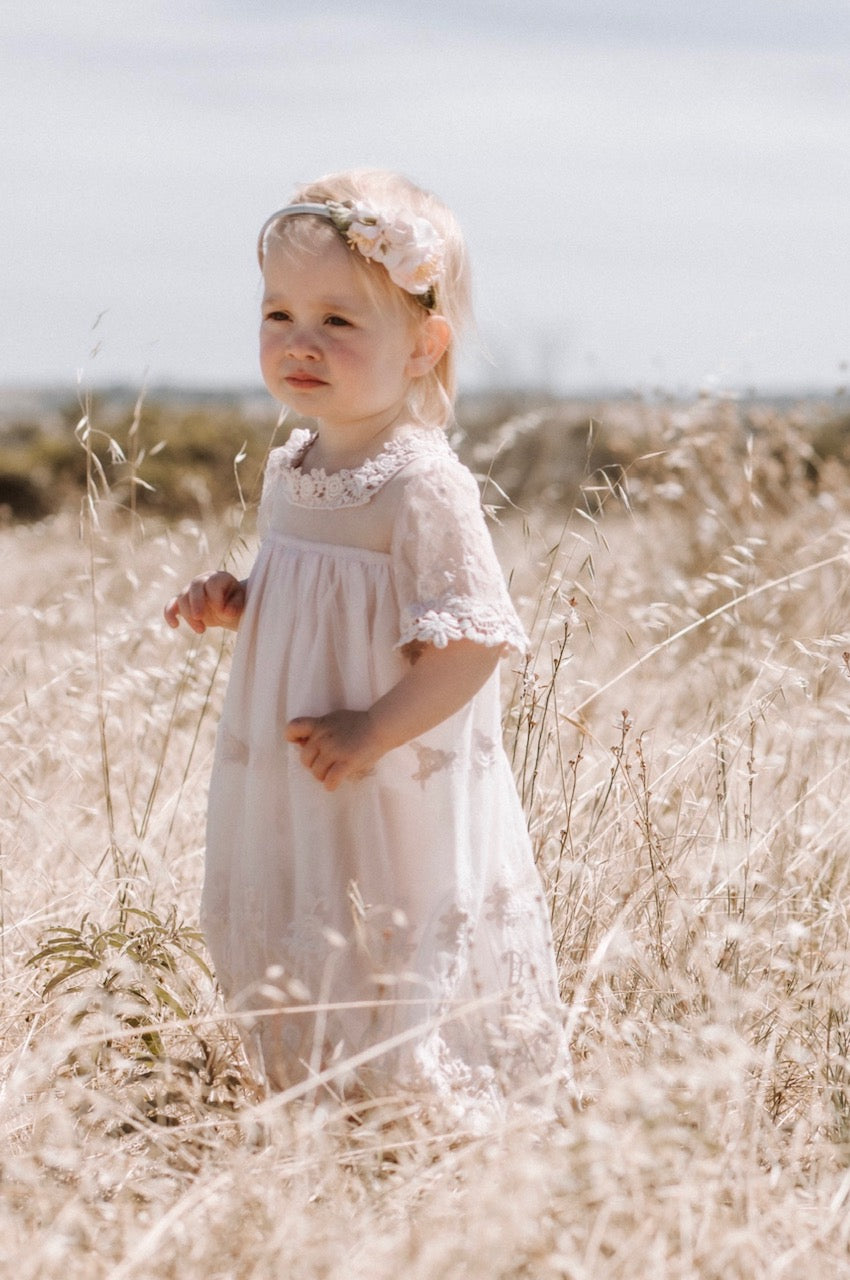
{"points": [[287, 257], [288, 266]]}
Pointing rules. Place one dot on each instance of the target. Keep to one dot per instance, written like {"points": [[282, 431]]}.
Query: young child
{"points": [[370, 893]]}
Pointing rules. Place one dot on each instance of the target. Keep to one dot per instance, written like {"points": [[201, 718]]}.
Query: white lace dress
{"points": [[393, 932]]}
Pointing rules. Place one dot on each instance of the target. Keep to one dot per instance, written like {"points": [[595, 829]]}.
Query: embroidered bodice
{"points": [[350, 487], [447, 579]]}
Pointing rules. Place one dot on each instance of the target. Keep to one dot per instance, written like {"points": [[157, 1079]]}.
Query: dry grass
{"points": [[681, 743]]}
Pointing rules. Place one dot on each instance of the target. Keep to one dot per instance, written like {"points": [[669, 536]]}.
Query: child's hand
{"points": [[335, 747], [345, 744], [212, 600]]}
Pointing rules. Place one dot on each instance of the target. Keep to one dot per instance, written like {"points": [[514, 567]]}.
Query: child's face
{"points": [[330, 348]]}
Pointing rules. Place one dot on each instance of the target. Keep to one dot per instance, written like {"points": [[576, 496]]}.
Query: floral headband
{"points": [[410, 249]]}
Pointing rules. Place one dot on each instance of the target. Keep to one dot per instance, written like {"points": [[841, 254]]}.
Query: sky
{"points": [[656, 195]]}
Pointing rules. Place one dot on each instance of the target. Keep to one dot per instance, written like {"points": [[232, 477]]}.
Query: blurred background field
{"points": [[177, 454], [680, 741]]}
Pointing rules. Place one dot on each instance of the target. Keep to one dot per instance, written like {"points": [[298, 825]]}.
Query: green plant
{"points": [[130, 991]]}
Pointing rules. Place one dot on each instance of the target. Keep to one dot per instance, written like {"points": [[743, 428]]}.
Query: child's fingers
{"points": [[336, 774], [212, 600], [328, 747], [317, 752], [226, 594], [189, 612], [300, 729], [177, 609], [197, 600]]}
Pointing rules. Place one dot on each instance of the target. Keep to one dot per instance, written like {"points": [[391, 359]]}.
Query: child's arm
{"points": [[212, 600], [345, 744]]}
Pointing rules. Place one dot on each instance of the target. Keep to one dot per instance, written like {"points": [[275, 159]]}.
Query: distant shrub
{"points": [[165, 459], [831, 439]]}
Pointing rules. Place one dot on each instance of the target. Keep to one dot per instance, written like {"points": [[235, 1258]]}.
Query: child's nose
{"points": [[302, 343]]}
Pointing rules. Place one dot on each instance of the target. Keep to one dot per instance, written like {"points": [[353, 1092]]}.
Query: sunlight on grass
{"points": [[680, 740]]}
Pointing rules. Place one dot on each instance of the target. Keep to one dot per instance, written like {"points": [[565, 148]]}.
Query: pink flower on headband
{"points": [[409, 249]]}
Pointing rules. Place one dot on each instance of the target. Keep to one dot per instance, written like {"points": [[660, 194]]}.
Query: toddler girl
{"points": [[370, 899]]}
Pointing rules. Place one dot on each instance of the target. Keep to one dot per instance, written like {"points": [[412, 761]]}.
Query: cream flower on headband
{"points": [[409, 249]]}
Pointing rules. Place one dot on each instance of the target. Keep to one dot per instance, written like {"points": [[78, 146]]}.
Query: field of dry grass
{"points": [[681, 744]]}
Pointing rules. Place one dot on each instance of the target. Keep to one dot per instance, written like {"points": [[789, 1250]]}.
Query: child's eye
{"points": [[277, 315], [337, 320]]}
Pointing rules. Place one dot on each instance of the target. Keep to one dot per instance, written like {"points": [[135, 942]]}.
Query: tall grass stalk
{"points": [[96, 477]]}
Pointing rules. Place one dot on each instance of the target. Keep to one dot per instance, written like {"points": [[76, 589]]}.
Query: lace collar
{"points": [[350, 487]]}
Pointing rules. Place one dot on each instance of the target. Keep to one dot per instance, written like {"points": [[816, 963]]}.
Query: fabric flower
{"points": [[410, 249]]}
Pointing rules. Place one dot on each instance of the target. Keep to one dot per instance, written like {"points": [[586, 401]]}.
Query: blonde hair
{"points": [[432, 396]]}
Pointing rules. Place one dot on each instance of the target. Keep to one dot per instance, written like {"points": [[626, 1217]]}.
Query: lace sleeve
{"points": [[448, 581]]}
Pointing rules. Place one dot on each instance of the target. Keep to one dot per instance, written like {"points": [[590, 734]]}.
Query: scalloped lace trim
{"points": [[355, 486], [460, 618]]}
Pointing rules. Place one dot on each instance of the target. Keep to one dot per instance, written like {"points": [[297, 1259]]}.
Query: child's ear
{"points": [[433, 335]]}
